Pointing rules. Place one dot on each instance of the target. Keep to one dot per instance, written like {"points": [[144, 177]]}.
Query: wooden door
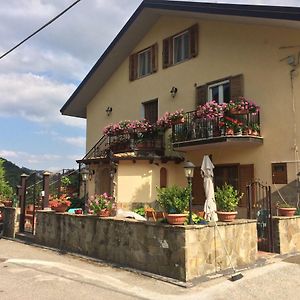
{"points": [[246, 176]]}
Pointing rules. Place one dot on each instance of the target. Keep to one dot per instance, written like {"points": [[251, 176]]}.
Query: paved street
{"points": [[28, 272]]}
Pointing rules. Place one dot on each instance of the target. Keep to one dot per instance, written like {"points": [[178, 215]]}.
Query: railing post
{"points": [[46, 184], [249, 196], [22, 201]]}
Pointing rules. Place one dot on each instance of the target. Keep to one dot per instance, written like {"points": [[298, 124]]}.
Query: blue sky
{"points": [[39, 77]]}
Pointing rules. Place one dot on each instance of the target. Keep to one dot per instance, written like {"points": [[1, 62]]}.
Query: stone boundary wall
{"points": [[286, 234], [180, 252], [11, 221]]}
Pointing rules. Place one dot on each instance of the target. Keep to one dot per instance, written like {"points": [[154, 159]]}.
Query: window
{"points": [[143, 63], [221, 90], [180, 47], [151, 111], [279, 173]]}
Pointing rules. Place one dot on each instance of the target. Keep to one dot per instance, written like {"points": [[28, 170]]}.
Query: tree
{"points": [[6, 190]]}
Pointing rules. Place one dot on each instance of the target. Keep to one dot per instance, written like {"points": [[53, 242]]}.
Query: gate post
{"points": [[19, 193], [22, 201], [46, 184]]}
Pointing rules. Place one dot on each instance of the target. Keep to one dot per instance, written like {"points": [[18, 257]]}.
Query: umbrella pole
{"points": [[236, 275]]}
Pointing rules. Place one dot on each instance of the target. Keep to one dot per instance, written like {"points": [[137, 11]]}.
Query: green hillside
{"points": [[13, 173]]}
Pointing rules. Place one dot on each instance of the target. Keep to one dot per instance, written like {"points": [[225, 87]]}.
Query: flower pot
{"points": [[255, 133], [7, 203], [176, 219], [178, 121], [60, 208], [229, 131], [286, 211], [226, 216], [235, 111], [103, 213]]}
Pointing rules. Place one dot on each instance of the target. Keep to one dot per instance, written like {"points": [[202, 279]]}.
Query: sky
{"points": [[39, 77]]}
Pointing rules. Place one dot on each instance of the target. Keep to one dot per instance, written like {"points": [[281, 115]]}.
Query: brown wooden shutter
{"points": [[133, 65], [154, 61], [236, 86], [198, 188], [246, 176], [194, 33], [163, 177], [279, 173], [151, 111], [201, 94], [167, 52]]}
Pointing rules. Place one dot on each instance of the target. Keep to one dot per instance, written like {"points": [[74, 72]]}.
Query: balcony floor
{"points": [[218, 141]]}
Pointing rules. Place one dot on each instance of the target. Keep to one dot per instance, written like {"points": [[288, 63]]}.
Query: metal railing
{"points": [[194, 128]]}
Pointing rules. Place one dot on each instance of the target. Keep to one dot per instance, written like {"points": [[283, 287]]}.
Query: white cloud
{"points": [[74, 141], [8, 154]]}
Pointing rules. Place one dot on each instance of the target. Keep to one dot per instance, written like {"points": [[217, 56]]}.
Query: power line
{"points": [[41, 28]]}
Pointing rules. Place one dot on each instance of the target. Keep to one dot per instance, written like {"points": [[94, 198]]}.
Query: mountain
{"points": [[13, 172]]}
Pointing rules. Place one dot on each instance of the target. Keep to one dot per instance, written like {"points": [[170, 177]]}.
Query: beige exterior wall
{"points": [[224, 49]]}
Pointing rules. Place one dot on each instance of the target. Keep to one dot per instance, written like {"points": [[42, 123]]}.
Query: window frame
{"points": [[147, 50], [188, 54], [219, 84]]}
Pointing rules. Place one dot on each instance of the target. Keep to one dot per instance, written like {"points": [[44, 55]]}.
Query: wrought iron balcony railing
{"points": [[201, 129]]}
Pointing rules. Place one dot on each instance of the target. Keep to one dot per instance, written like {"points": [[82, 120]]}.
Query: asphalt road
{"points": [[28, 272]]}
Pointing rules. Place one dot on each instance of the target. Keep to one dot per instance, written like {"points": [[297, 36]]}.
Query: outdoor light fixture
{"points": [[108, 110], [189, 174], [173, 91], [84, 174]]}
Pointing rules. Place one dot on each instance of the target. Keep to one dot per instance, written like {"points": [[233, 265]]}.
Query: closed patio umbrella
{"points": [[207, 171]]}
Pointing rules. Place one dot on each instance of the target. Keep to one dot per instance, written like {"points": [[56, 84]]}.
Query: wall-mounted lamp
{"points": [[91, 173], [108, 110], [173, 91]]}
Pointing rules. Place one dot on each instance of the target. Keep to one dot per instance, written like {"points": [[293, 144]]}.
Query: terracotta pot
{"points": [[255, 133], [103, 213], [226, 216], [7, 203], [176, 219], [286, 211], [229, 131], [60, 208], [234, 111]]}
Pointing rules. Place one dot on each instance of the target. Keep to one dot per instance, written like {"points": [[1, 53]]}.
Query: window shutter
{"points": [[154, 61], [246, 176], [279, 173], [194, 32], [163, 177], [133, 64], [236, 86], [151, 111], [201, 94], [167, 52]]}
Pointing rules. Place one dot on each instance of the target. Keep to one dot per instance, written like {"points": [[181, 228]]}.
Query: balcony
{"points": [[194, 132], [140, 143]]}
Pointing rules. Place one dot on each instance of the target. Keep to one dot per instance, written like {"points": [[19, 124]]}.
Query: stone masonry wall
{"points": [[180, 252], [205, 251], [11, 220], [286, 234]]}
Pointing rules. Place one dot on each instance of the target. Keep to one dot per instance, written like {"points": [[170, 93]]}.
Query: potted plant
{"points": [[102, 205], [174, 200], [242, 106], [286, 210], [255, 129], [227, 199], [59, 204]]}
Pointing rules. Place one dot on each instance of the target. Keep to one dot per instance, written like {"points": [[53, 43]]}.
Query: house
{"points": [[175, 55]]}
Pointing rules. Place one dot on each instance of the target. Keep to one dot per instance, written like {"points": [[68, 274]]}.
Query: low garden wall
{"points": [[11, 221], [286, 234], [180, 252]]}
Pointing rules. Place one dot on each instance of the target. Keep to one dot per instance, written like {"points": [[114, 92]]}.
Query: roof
{"points": [[144, 18]]}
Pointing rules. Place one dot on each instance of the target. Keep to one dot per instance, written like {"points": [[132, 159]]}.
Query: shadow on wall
{"points": [[142, 194], [288, 192]]}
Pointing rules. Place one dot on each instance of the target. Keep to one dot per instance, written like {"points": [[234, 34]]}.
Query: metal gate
{"points": [[260, 208], [32, 201]]}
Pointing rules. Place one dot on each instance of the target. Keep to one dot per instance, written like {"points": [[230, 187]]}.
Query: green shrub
{"points": [[227, 198], [174, 199], [140, 211]]}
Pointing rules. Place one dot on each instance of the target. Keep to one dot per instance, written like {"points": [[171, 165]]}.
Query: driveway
{"points": [[28, 272]]}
